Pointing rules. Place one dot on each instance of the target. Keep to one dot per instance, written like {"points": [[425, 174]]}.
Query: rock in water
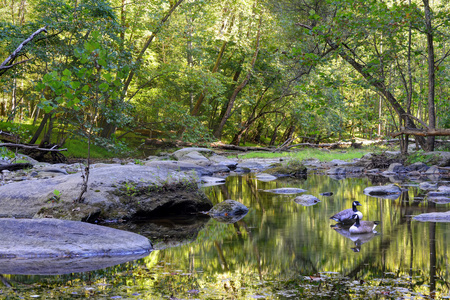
{"points": [[228, 211], [390, 191], [52, 246], [286, 191], [306, 200]]}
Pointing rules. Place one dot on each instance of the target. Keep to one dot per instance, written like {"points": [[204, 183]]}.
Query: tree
{"points": [[355, 31]]}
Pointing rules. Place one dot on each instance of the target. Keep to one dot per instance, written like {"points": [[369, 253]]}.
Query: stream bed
{"points": [[279, 250]]}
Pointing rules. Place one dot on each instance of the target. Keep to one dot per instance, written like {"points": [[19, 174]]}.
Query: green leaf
{"points": [[102, 62], [107, 77], [104, 86], [75, 84], [67, 72]]}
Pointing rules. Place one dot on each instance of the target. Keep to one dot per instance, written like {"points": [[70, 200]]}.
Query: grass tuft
{"points": [[310, 153]]}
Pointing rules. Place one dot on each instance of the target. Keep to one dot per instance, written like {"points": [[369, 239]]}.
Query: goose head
{"points": [[356, 203]]}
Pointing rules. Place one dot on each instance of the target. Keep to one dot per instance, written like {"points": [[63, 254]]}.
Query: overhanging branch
{"points": [[419, 132], [16, 52]]}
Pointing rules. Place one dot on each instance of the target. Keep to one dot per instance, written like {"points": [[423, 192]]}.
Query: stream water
{"points": [[279, 250]]}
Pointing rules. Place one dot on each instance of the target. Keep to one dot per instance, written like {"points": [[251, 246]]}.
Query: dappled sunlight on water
{"points": [[280, 249]]}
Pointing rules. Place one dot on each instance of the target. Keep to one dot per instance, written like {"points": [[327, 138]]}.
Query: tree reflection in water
{"points": [[283, 250]]}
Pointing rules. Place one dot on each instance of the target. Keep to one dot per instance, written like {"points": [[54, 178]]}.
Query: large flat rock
{"points": [[433, 217], [114, 192], [51, 246]]}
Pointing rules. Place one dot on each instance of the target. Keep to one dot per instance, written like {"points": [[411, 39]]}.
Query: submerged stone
{"points": [[265, 177], [306, 200], [286, 191], [390, 191], [433, 217]]}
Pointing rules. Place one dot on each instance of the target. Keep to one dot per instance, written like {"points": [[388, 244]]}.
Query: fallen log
{"points": [[15, 167], [327, 145], [35, 147], [239, 148], [418, 132], [51, 154]]}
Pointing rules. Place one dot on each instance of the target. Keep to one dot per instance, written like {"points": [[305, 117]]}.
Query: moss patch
{"points": [[292, 168]]}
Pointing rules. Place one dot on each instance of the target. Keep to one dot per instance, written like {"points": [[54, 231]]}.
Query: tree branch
{"points": [[418, 132], [16, 52], [32, 147]]}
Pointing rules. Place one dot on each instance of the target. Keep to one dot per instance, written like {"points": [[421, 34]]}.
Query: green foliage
{"points": [[205, 50], [76, 148], [5, 153], [56, 195], [305, 154], [421, 156]]}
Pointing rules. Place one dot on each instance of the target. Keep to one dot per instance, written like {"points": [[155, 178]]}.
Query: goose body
{"points": [[362, 226], [345, 216]]}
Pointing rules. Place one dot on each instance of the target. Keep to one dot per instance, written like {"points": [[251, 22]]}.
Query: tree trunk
{"points": [[218, 132], [40, 128], [431, 76], [147, 44], [47, 136], [200, 99]]}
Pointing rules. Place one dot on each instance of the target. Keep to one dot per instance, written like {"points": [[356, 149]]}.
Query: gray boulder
{"points": [[439, 200], [286, 191], [192, 153], [253, 166], [223, 161], [428, 186], [194, 156], [179, 166], [418, 166], [345, 170], [228, 211], [306, 200], [390, 191], [396, 168], [433, 170], [50, 246], [210, 181], [433, 217], [114, 192], [265, 177]]}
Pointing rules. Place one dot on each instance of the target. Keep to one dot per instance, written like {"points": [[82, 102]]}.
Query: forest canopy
{"points": [[236, 71]]}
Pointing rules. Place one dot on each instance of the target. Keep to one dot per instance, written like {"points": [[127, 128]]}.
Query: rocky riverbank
{"points": [[170, 185]]}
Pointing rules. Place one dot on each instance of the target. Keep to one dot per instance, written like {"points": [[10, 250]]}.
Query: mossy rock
{"points": [[293, 168], [228, 211]]}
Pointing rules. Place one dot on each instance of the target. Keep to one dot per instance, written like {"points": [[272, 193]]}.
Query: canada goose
{"points": [[362, 226], [345, 216]]}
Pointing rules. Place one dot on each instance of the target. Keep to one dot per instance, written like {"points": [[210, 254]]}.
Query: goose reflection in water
{"points": [[358, 239]]}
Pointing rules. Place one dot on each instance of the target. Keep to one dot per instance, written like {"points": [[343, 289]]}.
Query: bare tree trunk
{"points": [[40, 128], [48, 134], [431, 76]]}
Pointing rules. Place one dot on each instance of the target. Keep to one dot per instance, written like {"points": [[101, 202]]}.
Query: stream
{"points": [[279, 250]]}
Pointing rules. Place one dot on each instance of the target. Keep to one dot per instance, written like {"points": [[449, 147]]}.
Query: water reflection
{"points": [[269, 251], [357, 239]]}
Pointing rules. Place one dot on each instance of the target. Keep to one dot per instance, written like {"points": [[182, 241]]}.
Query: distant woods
{"points": [[244, 72]]}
